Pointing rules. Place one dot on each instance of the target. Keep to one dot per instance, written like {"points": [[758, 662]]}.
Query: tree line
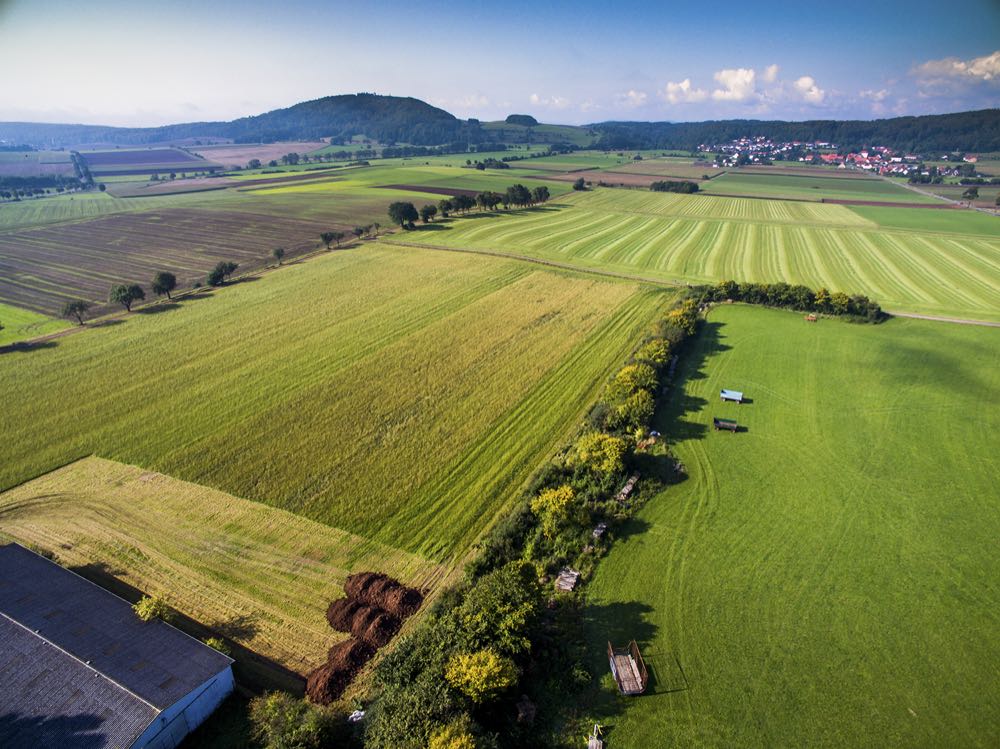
{"points": [[405, 214], [798, 297]]}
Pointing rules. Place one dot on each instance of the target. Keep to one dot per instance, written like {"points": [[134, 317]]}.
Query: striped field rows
{"points": [[748, 240]]}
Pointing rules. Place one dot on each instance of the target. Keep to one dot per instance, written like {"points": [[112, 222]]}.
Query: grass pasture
{"points": [[818, 187], [828, 577], [258, 575], [19, 324], [698, 238], [399, 395]]}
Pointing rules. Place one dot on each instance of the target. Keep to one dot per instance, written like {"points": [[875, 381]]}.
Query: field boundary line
{"points": [[47, 471], [539, 261], [938, 318]]}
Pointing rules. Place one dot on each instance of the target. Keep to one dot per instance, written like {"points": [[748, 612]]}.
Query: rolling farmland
{"points": [[698, 239], [820, 577], [817, 187], [144, 161], [374, 390]]}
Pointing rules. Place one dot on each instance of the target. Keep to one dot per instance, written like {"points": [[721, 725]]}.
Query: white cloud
{"points": [[770, 74], [633, 98], [677, 93], [985, 68], [550, 102], [739, 84], [876, 96], [807, 89]]}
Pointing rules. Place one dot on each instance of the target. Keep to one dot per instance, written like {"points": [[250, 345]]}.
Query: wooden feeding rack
{"points": [[628, 668], [728, 424]]}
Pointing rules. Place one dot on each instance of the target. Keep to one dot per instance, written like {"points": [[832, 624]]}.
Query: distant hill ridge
{"points": [[394, 119]]}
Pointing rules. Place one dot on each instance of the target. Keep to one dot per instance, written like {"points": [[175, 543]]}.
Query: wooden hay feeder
{"points": [[727, 424], [810, 318], [628, 668]]}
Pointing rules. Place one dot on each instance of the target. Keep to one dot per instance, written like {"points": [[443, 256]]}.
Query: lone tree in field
{"points": [[327, 237], [427, 213], [221, 272], [338, 236], [358, 231], [444, 207], [580, 184], [164, 283], [403, 214], [126, 295], [971, 194], [279, 253], [75, 309]]}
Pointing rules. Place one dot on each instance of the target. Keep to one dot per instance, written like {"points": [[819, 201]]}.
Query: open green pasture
{"points": [[699, 238], [827, 577], [19, 324], [401, 395], [812, 188], [935, 221]]}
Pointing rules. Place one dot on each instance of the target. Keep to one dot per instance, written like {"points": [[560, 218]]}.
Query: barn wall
{"points": [[170, 727]]}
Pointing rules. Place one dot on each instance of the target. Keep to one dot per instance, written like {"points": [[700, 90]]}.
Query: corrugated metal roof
{"points": [[732, 394], [50, 699], [154, 661]]}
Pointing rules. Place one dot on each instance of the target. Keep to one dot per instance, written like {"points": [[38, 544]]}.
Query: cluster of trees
{"points": [[487, 164], [405, 214], [684, 186], [15, 188], [798, 297], [979, 181]]}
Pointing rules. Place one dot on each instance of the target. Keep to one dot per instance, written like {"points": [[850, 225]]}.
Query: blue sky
{"points": [[152, 62]]}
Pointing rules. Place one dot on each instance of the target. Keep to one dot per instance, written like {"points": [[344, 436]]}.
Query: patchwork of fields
{"points": [[697, 239], [399, 395], [826, 577]]}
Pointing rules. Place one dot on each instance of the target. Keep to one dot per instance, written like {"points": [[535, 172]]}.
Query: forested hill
{"points": [[963, 131], [384, 118]]}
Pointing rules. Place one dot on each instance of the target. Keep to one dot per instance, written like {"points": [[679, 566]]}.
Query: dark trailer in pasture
{"points": [[731, 395], [729, 424]]}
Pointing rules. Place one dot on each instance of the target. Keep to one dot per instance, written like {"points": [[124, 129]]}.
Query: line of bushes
{"points": [[857, 307], [684, 186]]}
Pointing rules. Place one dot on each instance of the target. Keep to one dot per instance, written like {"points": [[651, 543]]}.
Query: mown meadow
{"points": [[826, 576], [679, 239], [400, 395]]}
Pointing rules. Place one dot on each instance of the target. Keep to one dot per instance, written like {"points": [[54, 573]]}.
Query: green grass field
{"points": [[828, 577], [19, 324], [698, 238], [401, 395], [812, 188]]}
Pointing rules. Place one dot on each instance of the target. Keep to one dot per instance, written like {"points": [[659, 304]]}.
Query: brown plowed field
{"points": [[40, 269], [240, 155]]}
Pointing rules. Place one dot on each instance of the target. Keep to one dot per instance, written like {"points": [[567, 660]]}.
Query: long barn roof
{"points": [[87, 647]]}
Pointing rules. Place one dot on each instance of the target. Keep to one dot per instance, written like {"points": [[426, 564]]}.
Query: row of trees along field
{"points": [[405, 214], [487, 658], [163, 283], [801, 298]]}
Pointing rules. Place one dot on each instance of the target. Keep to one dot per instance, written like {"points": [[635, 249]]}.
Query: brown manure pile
{"points": [[382, 591], [372, 610]]}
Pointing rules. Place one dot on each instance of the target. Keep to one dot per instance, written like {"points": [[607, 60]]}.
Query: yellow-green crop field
{"points": [[400, 395], [258, 575], [698, 239]]}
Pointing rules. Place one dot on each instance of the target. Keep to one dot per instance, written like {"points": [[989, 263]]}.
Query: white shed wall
{"points": [[170, 727]]}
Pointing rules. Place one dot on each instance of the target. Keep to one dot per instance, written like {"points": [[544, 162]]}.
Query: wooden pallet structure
{"points": [[628, 668]]}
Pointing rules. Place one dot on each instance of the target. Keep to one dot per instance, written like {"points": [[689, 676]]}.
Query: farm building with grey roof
{"points": [[79, 669]]}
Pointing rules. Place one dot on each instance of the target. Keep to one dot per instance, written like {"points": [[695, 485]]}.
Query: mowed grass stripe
{"points": [[953, 275]]}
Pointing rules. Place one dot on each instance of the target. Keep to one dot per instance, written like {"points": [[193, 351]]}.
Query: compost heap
{"points": [[372, 611]]}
